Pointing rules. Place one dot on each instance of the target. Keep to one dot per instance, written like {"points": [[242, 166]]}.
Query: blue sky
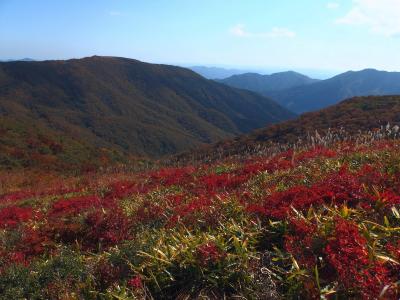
{"points": [[281, 34]]}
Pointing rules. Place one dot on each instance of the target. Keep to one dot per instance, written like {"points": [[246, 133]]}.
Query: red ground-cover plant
{"points": [[121, 189], [347, 253], [172, 176], [103, 225], [340, 254], [135, 282], [28, 194], [394, 248], [323, 220], [12, 216], [278, 205], [317, 152], [74, 206], [176, 199], [67, 232], [106, 228], [278, 162], [341, 187], [18, 258], [389, 198], [209, 253], [35, 242], [302, 242], [200, 211], [148, 212], [107, 274], [16, 196], [217, 182]]}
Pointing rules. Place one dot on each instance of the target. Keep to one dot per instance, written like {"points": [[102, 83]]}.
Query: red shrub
{"points": [[347, 253], [278, 205], [16, 196], [172, 176], [225, 181], [105, 228], [107, 274], [135, 282], [194, 211], [319, 151], [389, 198], [278, 162], [12, 216], [148, 212], [121, 189], [302, 242], [35, 242], [209, 254], [73, 206], [18, 257]]}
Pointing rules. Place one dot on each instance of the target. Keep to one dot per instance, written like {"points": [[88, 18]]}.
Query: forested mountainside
{"points": [[140, 108]]}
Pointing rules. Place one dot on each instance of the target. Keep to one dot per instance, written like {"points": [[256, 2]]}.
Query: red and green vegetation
{"points": [[318, 221], [31, 146]]}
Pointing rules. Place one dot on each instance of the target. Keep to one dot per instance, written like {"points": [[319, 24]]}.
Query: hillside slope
{"points": [[353, 115], [141, 108], [330, 91], [317, 223], [31, 145], [266, 83]]}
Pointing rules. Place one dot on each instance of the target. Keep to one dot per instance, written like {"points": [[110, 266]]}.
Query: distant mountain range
{"points": [[215, 72], [330, 91], [264, 84], [300, 93], [140, 108], [22, 59], [354, 115]]}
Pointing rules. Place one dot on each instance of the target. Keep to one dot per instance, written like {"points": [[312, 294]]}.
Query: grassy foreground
{"points": [[318, 222]]}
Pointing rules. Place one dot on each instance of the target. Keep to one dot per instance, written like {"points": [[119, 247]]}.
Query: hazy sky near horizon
{"points": [[312, 34]]}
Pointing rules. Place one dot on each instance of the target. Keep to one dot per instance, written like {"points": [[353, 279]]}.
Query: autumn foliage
{"points": [[307, 223]]}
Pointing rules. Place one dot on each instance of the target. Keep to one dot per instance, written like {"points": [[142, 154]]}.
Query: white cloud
{"points": [[115, 13], [380, 16], [276, 32], [238, 30], [332, 5]]}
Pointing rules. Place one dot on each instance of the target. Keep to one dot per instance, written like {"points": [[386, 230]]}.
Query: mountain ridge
{"points": [[264, 84], [144, 109], [330, 91], [215, 72]]}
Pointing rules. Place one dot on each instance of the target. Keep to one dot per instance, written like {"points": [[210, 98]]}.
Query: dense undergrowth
{"points": [[316, 222]]}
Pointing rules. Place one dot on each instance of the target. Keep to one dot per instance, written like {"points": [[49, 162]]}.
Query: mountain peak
{"points": [[264, 83]]}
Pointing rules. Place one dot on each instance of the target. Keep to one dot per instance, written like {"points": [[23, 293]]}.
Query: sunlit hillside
{"points": [[315, 222]]}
